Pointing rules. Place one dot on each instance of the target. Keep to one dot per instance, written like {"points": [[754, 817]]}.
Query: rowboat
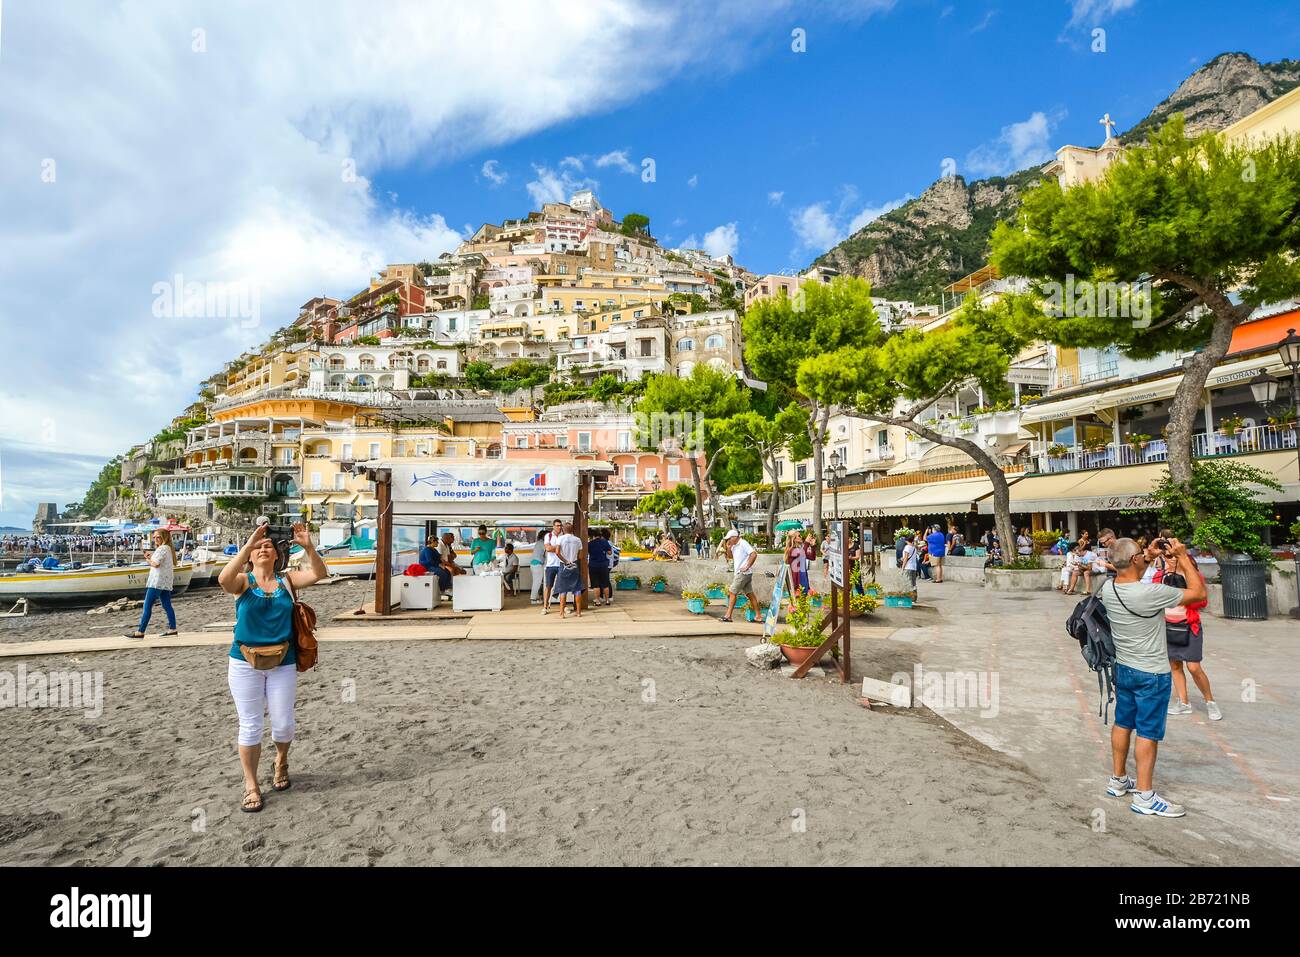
{"points": [[358, 562], [88, 585], [207, 566]]}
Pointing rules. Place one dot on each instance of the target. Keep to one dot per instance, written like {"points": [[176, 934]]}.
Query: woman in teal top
{"points": [[483, 549], [264, 616]]}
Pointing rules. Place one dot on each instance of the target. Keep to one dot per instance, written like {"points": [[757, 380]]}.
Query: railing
{"points": [[1258, 438], [879, 454]]}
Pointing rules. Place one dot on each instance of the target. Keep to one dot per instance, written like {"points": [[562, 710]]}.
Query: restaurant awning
{"points": [[852, 504], [942, 498], [938, 457], [1116, 489]]}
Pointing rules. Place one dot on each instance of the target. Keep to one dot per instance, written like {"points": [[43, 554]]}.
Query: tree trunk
{"points": [[773, 498], [817, 419], [698, 481]]}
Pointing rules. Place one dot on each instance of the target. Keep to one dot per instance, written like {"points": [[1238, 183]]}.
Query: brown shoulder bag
{"points": [[304, 630]]}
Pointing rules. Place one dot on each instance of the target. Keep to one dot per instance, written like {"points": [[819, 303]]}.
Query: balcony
{"points": [[1259, 438], [880, 454]]}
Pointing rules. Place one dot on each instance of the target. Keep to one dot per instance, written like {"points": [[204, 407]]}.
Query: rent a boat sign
{"points": [[439, 483]]}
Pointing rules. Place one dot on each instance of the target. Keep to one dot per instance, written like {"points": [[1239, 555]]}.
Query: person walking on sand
{"points": [[743, 556], [1142, 672], [158, 587], [536, 568], [262, 669], [1186, 622], [569, 580], [552, 562]]}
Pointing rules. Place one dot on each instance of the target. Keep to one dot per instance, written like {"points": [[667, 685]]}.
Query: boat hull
{"points": [[87, 586]]}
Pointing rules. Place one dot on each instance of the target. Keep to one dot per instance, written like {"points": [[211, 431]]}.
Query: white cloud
{"points": [[236, 165], [1019, 146], [491, 171], [693, 181], [775, 197], [818, 227], [556, 186], [617, 159], [1092, 12], [572, 162], [721, 241]]}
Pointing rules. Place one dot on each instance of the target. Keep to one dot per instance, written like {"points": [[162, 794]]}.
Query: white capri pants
{"points": [[256, 692]]}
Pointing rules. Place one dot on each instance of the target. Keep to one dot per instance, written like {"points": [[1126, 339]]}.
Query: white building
{"points": [[389, 366]]}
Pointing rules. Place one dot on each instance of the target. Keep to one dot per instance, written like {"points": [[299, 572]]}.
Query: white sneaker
{"points": [[545, 609], [1179, 707], [1118, 787], [1212, 709], [1156, 805]]}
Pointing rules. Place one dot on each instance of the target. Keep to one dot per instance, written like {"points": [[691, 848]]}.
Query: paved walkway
{"points": [[1239, 777]]}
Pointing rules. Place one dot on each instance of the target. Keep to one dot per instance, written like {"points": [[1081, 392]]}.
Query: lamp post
{"points": [[834, 474]]}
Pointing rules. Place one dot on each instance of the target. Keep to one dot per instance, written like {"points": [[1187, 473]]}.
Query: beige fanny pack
{"points": [[265, 657]]}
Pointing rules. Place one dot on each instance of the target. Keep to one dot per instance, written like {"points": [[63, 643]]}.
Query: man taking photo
{"points": [[1142, 671]]}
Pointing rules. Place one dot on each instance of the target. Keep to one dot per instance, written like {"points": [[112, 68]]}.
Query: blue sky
{"points": [[292, 150]]}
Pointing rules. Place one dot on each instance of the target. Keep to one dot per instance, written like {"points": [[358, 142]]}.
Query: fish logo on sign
{"points": [[538, 480], [436, 478]]}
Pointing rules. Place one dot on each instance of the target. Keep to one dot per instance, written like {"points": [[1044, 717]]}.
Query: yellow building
{"points": [[1279, 118], [286, 368]]}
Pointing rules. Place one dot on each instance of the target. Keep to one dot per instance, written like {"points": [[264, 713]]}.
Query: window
{"points": [[780, 468], [451, 324], [685, 345], [286, 456], [801, 473], [521, 441], [340, 482], [629, 474], [374, 450], [399, 448], [714, 341], [442, 363], [561, 441], [584, 441], [315, 481], [647, 347], [674, 473], [638, 314], [347, 451], [651, 474], [625, 442]]}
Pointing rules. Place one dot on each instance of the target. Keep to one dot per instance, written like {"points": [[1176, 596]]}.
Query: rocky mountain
{"points": [[915, 250]]}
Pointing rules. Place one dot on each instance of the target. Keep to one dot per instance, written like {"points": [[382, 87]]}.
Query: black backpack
{"points": [[1089, 625]]}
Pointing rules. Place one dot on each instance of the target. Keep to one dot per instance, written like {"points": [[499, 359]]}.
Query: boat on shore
{"points": [[87, 585]]}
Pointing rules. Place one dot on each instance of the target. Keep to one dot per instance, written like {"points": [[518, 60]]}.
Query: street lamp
{"points": [[1264, 388], [834, 474]]}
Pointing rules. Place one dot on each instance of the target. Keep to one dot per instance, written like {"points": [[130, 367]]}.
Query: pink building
{"points": [[594, 432]]}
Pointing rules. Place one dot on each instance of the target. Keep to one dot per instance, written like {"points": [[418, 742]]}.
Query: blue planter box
{"points": [[659, 586], [741, 601], [627, 585], [695, 606], [897, 601], [716, 594]]}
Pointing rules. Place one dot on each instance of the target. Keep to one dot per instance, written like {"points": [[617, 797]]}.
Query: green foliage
{"points": [[658, 580], [698, 303], [781, 333], [695, 596], [636, 224], [1233, 518], [706, 394], [863, 604], [1294, 531], [369, 341], [480, 301], [243, 506], [788, 430], [1190, 214], [1023, 563], [667, 501], [804, 623]]}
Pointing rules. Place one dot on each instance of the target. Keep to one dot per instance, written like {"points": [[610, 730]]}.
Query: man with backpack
{"points": [[1135, 611]]}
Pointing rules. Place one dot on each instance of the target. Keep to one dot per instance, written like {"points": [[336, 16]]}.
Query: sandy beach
{"points": [[622, 751]]}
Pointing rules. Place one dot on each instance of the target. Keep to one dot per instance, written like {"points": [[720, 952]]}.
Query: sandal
{"points": [[171, 633], [281, 781], [724, 619], [251, 807]]}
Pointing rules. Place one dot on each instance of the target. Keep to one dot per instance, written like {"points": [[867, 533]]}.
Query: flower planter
{"points": [[797, 656], [898, 601], [717, 594], [695, 606], [659, 586], [1020, 579], [627, 585], [749, 615], [874, 590]]}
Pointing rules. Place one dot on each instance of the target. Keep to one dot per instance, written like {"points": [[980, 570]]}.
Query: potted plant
{"points": [[658, 583], [1137, 440], [1057, 450], [696, 601], [803, 632], [627, 582], [860, 605], [716, 590], [1231, 425]]}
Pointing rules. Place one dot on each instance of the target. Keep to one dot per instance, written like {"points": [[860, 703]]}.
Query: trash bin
{"points": [[1245, 589]]}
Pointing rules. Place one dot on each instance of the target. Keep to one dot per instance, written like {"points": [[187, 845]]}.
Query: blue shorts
{"points": [[552, 571], [1142, 701]]}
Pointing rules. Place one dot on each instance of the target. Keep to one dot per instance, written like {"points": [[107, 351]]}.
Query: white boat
{"points": [[341, 561], [88, 585], [207, 566]]}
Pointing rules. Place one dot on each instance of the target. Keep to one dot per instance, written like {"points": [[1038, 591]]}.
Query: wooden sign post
{"points": [[837, 616]]}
